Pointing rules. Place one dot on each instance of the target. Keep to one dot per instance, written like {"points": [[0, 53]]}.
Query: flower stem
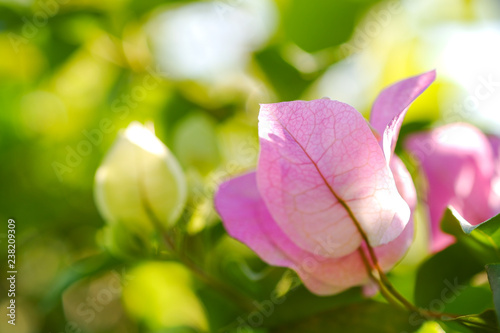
{"points": [[380, 285], [386, 288], [390, 293]]}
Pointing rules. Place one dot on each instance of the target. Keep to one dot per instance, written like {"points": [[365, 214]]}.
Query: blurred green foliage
{"points": [[75, 73]]}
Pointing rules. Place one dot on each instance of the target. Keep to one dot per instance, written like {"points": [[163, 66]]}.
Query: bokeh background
{"points": [[73, 73]]}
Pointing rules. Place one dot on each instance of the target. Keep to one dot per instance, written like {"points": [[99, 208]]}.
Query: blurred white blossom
{"points": [[208, 40]]}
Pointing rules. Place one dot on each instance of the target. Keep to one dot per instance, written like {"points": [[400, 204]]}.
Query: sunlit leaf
{"points": [[161, 294], [482, 240], [485, 322]]}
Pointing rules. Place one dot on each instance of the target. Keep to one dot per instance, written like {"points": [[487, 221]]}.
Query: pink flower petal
{"points": [[494, 200], [404, 182], [391, 105], [495, 146], [458, 162], [390, 254], [247, 219], [319, 163]]}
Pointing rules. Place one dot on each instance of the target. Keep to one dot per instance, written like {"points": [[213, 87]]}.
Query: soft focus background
{"points": [[73, 73]]}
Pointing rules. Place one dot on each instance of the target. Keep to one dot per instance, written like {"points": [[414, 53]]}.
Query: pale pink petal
{"points": [[391, 105], [390, 254], [404, 182], [494, 200], [458, 163], [247, 219], [370, 289], [495, 146], [319, 161], [243, 213]]}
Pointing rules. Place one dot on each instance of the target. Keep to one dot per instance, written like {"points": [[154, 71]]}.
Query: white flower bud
{"points": [[140, 182]]}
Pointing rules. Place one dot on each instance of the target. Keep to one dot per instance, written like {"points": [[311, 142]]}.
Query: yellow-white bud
{"points": [[140, 182]]}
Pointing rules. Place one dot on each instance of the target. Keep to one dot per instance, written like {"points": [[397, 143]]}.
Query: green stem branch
{"points": [[386, 287]]}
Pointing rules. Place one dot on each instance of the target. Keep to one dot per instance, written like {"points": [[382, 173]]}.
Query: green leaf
{"points": [[300, 303], [363, 317], [481, 240], [317, 24], [219, 310], [176, 107], [287, 81], [442, 278], [84, 268], [124, 244], [195, 143], [454, 327], [472, 299], [485, 322], [139, 8], [493, 271]]}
